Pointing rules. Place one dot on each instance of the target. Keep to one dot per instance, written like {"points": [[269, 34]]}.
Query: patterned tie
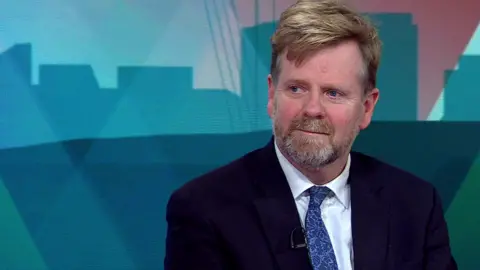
{"points": [[321, 250]]}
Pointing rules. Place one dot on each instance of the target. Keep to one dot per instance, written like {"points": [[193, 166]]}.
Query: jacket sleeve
{"points": [[438, 251], [190, 242]]}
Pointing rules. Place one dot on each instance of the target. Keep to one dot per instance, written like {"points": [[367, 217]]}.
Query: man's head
{"points": [[322, 84]]}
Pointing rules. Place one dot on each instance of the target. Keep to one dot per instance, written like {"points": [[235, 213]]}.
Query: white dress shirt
{"points": [[336, 210]]}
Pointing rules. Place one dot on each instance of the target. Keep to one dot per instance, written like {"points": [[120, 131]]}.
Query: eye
{"points": [[294, 89], [333, 93]]}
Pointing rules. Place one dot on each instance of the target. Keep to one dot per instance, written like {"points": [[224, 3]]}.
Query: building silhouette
{"points": [[68, 102], [72, 100], [462, 90], [255, 67], [21, 121], [397, 75], [398, 71]]}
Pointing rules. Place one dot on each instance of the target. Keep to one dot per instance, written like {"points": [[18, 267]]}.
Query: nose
{"points": [[314, 106]]}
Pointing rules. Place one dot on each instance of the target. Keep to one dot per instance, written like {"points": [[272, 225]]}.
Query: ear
{"points": [[368, 106], [271, 96]]}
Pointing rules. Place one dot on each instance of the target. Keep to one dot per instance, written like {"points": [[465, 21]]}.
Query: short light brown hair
{"points": [[310, 25]]}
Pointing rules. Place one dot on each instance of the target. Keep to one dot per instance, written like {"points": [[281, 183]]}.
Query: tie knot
{"points": [[319, 193]]}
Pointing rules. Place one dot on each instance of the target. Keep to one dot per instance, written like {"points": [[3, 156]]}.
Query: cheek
{"points": [[286, 111], [344, 119]]}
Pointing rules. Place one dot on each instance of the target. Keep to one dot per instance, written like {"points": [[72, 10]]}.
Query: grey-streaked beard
{"points": [[307, 151]]}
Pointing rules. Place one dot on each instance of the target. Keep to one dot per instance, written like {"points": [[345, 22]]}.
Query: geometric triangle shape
{"points": [[125, 121], [73, 101], [422, 150], [21, 121], [19, 250], [473, 47], [77, 234], [35, 176], [463, 223], [447, 74], [463, 82], [145, 88], [77, 150], [134, 197]]}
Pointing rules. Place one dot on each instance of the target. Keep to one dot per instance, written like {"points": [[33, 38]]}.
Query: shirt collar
{"points": [[299, 183]]}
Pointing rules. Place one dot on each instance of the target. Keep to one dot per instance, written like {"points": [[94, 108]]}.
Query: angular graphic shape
{"points": [[255, 67], [463, 82], [463, 224], [398, 71], [133, 196], [410, 144], [76, 106], [77, 233], [18, 250], [473, 47], [35, 187], [21, 121]]}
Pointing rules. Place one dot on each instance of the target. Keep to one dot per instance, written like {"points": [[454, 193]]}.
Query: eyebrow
{"points": [[305, 83], [298, 82], [335, 87]]}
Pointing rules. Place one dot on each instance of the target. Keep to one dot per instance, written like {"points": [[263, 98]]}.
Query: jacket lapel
{"points": [[370, 215], [278, 213]]}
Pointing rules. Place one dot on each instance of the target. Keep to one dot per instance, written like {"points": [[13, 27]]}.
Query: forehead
{"points": [[341, 64]]}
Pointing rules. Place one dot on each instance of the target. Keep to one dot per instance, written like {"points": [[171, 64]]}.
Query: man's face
{"points": [[318, 108]]}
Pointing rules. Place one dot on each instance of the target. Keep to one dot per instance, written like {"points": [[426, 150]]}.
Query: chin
{"points": [[311, 140], [315, 160]]}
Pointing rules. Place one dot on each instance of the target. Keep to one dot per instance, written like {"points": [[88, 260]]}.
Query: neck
{"points": [[325, 174]]}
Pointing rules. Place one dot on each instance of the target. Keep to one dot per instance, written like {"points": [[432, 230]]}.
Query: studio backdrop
{"points": [[108, 106]]}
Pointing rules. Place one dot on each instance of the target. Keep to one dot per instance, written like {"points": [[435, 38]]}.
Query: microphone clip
{"points": [[297, 238]]}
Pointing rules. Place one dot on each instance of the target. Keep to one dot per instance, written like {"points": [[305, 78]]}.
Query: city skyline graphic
{"points": [[102, 116], [68, 102], [116, 33]]}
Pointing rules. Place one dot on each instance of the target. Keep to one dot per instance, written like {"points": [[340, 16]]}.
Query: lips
{"points": [[313, 132]]}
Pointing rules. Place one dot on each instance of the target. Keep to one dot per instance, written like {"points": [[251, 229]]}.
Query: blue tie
{"points": [[321, 251]]}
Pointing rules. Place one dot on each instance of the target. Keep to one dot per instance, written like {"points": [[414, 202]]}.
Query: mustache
{"points": [[311, 125]]}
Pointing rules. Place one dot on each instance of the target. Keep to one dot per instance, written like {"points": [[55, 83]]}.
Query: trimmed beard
{"points": [[311, 152]]}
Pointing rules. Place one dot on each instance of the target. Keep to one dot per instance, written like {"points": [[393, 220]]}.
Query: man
{"points": [[305, 201]]}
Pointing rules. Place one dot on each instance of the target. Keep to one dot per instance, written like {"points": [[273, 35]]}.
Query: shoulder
{"points": [[398, 183]]}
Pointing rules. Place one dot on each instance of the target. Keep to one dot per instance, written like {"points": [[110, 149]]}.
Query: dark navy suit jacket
{"points": [[241, 216]]}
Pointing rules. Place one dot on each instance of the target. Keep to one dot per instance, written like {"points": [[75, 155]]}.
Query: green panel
{"points": [[17, 250], [464, 221]]}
